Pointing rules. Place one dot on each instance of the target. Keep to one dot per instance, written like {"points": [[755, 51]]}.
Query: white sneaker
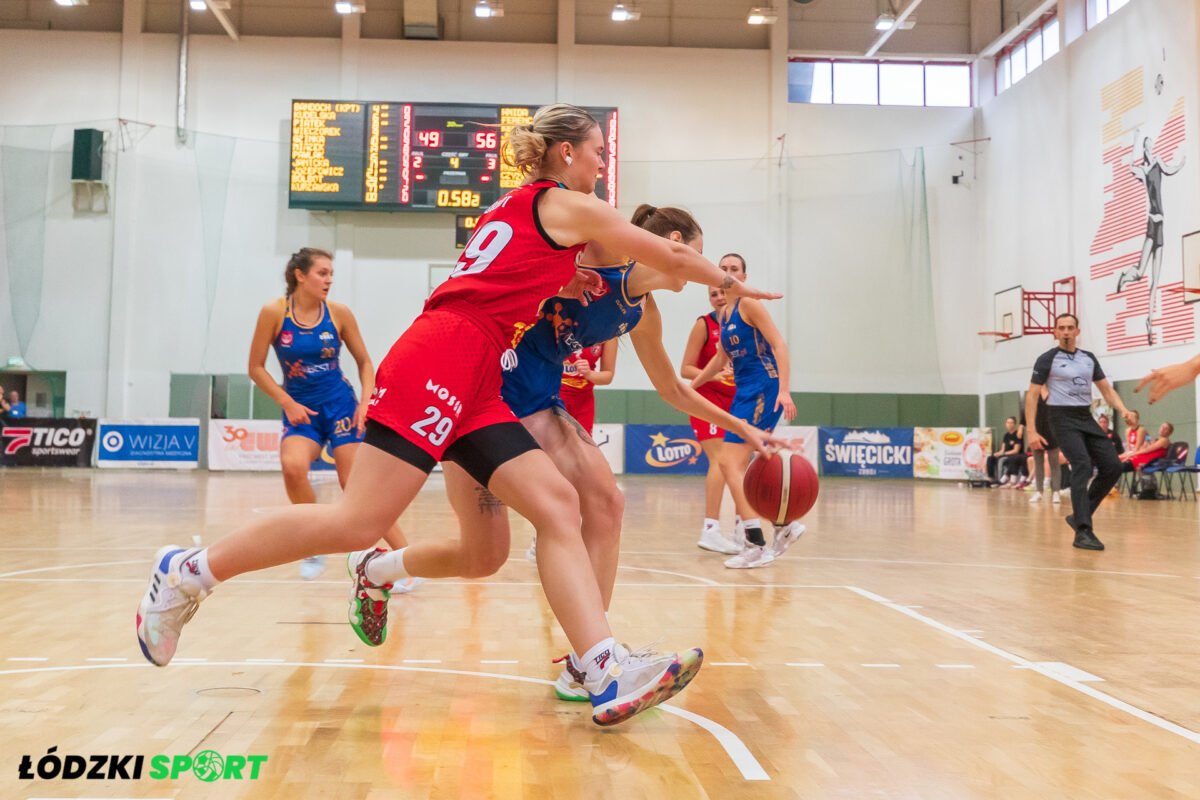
{"points": [[1055, 497], [167, 606], [311, 567], [1064, 494], [406, 585], [569, 685], [711, 539], [739, 536], [1004, 480], [752, 556], [785, 537], [634, 682], [531, 553], [1036, 497]]}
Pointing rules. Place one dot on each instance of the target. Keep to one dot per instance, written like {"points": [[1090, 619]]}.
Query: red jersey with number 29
{"points": [[510, 264]]}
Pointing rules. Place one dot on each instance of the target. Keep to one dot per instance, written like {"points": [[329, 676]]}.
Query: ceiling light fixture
{"points": [[346, 7], [762, 15], [626, 12], [71, 2], [489, 8], [198, 5], [885, 22]]}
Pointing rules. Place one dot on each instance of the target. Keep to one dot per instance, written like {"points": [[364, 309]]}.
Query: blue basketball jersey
{"points": [[564, 327], [309, 357], [753, 360]]}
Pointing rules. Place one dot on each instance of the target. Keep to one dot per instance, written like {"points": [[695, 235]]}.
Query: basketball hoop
{"points": [[1188, 289], [998, 336]]}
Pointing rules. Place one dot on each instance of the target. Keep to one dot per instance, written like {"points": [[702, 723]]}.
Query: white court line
{"points": [[737, 751], [343, 661], [1083, 688], [980, 566], [28, 658], [668, 572], [74, 566]]}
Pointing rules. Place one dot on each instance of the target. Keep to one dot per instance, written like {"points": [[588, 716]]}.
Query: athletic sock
{"points": [[387, 568], [596, 660], [711, 524], [195, 569], [754, 534]]}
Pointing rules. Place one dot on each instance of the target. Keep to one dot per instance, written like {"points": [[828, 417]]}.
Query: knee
{"points": [[558, 502], [605, 509], [482, 564], [295, 473]]}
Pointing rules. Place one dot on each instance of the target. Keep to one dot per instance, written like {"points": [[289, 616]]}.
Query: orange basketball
{"points": [[781, 488]]}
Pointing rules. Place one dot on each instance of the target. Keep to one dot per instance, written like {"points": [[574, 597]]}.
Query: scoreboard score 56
{"points": [[385, 156]]}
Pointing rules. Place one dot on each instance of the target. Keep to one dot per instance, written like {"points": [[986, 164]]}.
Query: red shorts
{"points": [[581, 405], [703, 428], [441, 380]]}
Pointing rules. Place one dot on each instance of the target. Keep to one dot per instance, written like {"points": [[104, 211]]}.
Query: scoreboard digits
{"points": [[412, 156]]}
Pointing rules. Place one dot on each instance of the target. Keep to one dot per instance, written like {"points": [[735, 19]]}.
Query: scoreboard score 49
{"points": [[385, 156]]}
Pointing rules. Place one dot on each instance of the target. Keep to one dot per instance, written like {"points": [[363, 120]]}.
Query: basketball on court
{"points": [[782, 487]]}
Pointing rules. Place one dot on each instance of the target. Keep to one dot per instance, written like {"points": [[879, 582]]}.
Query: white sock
{"points": [[387, 568], [195, 568], [596, 660], [711, 524], [737, 519]]}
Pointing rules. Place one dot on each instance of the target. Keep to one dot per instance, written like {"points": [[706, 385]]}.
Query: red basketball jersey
{"points": [[510, 264], [571, 378], [718, 388]]}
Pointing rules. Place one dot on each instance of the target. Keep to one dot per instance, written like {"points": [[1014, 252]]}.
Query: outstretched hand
{"points": [[1166, 379], [737, 288], [584, 280]]}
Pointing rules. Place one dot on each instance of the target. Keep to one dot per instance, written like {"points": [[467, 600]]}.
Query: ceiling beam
{"points": [[883, 37], [219, 13]]}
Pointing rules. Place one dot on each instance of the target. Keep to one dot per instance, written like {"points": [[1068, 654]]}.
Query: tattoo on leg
{"points": [[562, 414], [488, 502]]}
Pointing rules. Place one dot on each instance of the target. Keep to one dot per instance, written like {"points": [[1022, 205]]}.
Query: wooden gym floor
{"points": [[920, 641]]}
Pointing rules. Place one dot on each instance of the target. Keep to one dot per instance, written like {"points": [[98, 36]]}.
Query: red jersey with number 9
{"points": [[510, 264]]}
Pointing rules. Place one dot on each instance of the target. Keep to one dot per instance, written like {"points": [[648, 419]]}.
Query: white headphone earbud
{"points": [[569, 161]]}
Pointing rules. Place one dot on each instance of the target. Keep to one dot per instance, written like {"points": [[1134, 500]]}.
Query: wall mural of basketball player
{"points": [[1149, 170]]}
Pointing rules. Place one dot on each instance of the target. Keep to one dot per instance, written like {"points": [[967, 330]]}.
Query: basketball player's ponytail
{"points": [[661, 221], [526, 146], [302, 260]]}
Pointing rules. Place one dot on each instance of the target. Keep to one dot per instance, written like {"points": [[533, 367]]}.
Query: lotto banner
{"points": [[47, 442], [251, 444], [149, 444], [950, 453], [804, 441], [867, 452], [663, 449]]}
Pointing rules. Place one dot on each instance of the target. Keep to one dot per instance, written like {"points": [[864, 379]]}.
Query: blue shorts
{"points": [[333, 422], [756, 405], [533, 386]]}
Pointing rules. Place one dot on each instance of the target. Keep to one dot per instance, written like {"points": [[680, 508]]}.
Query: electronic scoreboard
{"points": [[374, 156]]}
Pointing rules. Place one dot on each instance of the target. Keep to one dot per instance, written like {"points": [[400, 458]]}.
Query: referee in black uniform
{"points": [[1068, 373]]}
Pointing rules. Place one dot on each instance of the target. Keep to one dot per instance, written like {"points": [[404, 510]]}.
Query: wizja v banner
{"points": [[153, 444]]}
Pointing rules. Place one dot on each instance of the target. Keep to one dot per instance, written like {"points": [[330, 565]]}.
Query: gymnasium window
{"points": [[1029, 52], [1100, 10], [879, 83]]}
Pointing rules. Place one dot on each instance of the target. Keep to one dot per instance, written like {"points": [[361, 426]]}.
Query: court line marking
{"points": [[1052, 674], [28, 658], [73, 566], [668, 572], [734, 747]]}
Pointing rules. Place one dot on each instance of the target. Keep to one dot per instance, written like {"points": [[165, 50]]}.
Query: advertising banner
{"points": [[663, 449], [867, 452], [805, 441], [950, 453], [610, 438], [47, 442], [251, 444], [149, 444]]}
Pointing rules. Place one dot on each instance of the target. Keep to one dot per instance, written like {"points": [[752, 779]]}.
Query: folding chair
{"points": [[1187, 487], [1176, 457]]}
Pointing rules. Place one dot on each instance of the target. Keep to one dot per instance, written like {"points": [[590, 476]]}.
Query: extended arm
{"points": [[1114, 399]]}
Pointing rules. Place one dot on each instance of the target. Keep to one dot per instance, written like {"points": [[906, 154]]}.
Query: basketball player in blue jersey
{"points": [[622, 305], [752, 343], [319, 406]]}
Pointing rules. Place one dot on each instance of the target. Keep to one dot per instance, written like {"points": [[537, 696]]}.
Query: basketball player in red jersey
{"points": [[701, 347], [591, 367], [437, 396]]}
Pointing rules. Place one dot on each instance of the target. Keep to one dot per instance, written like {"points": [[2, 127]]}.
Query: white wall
{"points": [[1044, 182], [202, 229]]}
